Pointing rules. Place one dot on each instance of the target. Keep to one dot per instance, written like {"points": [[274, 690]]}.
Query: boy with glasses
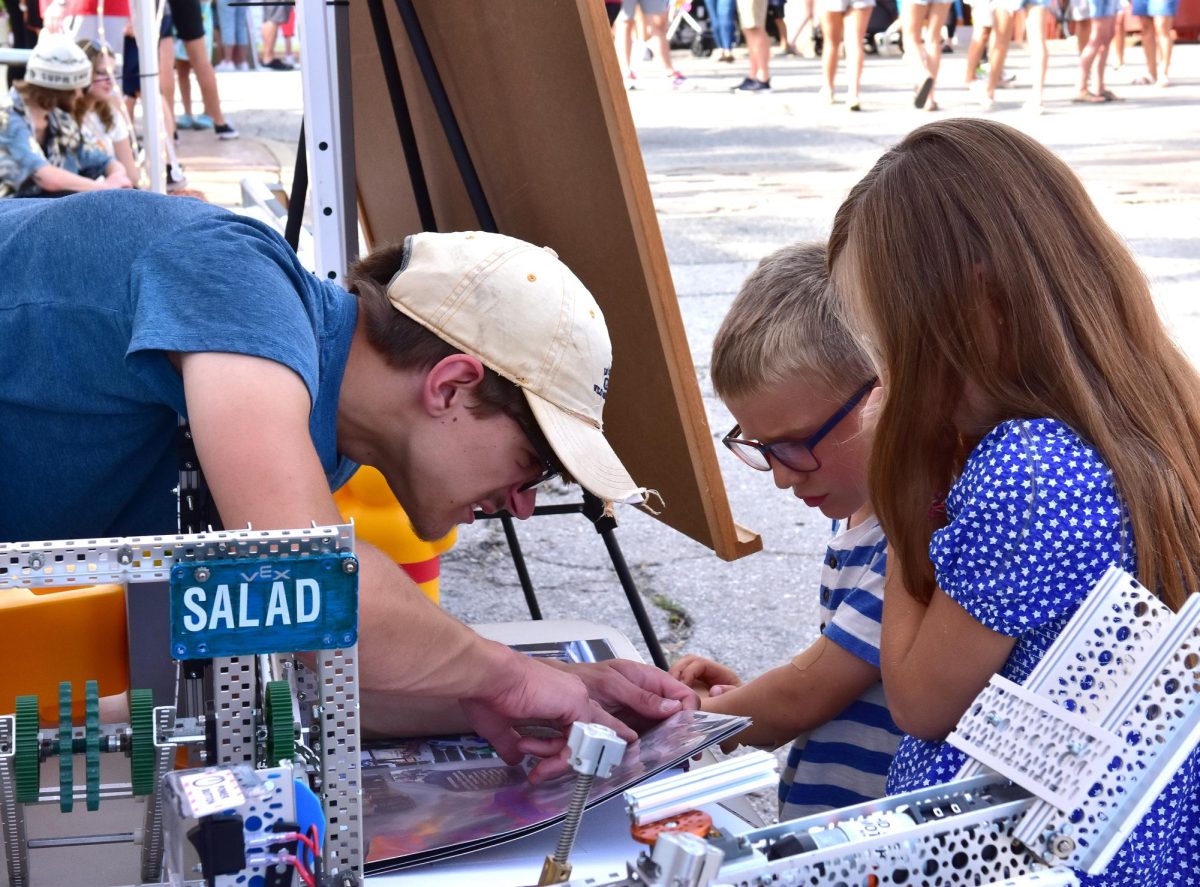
{"points": [[797, 382]]}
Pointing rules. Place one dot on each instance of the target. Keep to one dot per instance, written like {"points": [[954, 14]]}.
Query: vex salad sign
{"points": [[245, 607]]}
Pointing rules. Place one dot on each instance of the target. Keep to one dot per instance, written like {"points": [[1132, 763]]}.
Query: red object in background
{"points": [[1187, 21], [118, 8]]}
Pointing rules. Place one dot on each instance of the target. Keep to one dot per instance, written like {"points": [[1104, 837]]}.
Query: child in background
{"points": [[1039, 425], [795, 380], [100, 112]]}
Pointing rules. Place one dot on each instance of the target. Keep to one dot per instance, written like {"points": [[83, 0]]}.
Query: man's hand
{"points": [[640, 695], [529, 691], [698, 672]]}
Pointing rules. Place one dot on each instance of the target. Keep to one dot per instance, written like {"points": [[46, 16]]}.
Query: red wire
{"points": [[315, 836], [303, 870], [308, 842]]}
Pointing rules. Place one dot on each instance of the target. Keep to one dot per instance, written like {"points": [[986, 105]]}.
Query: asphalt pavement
{"points": [[735, 177]]}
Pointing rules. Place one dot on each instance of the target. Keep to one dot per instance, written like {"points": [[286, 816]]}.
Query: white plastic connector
{"points": [[684, 860], [595, 749]]}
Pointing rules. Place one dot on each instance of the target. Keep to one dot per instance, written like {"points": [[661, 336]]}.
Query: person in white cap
{"points": [[42, 150], [468, 368]]}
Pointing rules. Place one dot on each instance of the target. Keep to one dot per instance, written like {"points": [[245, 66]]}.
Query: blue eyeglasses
{"points": [[793, 453]]}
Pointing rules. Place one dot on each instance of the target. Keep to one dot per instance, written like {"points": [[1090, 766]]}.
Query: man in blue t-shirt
{"points": [[467, 368]]}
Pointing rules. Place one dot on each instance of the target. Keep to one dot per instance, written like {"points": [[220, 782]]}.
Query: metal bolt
{"points": [[35, 561], [125, 555], [1062, 846], [202, 574], [349, 566]]}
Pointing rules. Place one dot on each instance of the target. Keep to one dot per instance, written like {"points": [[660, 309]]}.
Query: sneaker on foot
{"points": [[631, 81], [175, 177], [243, 66], [202, 121], [184, 121], [751, 85], [225, 131], [853, 103], [678, 81], [224, 65], [277, 65]]}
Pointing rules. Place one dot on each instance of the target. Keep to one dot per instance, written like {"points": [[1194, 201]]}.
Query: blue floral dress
{"points": [[1033, 522]]}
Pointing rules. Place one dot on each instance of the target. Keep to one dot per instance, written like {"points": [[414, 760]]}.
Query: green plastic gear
{"points": [[92, 744], [141, 746], [66, 750], [28, 759], [281, 735]]}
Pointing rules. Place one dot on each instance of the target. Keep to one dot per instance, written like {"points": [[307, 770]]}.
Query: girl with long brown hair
{"points": [[1035, 425]]}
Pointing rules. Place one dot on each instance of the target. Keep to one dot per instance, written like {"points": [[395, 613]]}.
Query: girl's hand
{"points": [[698, 671]]}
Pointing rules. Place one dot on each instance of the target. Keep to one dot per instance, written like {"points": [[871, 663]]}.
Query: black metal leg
{"points": [[441, 103], [404, 124], [291, 232], [514, 547], [593, 510]]}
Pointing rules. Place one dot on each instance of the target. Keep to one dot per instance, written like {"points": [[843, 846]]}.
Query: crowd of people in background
{"points": [[66, 124], [922, 28]]}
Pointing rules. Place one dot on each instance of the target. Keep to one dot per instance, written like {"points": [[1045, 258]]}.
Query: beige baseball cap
{"points": [[523, 313]]}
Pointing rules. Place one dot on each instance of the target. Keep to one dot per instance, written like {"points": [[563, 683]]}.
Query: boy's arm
{"points": [[786, 701]]}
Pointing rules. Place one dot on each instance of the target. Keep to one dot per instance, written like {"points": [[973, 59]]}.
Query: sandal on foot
{"points": [[1142, 81], [1109, 96], [922, 93], [1087, 98]]}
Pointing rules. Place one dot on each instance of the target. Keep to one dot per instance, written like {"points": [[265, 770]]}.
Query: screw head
{"points": [[202, 574], [350, 566], [1062, 846]]}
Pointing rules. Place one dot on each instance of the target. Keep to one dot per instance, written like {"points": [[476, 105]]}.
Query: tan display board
{"points": [[536, 91]]}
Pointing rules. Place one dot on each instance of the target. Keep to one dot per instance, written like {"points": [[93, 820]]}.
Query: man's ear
{"points": [[451, 383]]}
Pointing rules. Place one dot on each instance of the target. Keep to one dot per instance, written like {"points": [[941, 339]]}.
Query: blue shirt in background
{"points": [[95, 289]]}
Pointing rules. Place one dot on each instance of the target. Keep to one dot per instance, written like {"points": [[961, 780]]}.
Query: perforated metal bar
{"points": [[164, 753], [341, 784], [1158, 718], [971, 847], [150, 558], [1007, 722], [1098, 648], [233, 689], [12, 815]]}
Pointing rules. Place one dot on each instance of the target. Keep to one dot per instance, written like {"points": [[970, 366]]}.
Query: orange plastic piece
{"points": [[75, 634], [694, 822], [379, 519]]}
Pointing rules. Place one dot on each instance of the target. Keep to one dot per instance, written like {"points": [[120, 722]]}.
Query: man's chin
{"points": [[430, 532]]}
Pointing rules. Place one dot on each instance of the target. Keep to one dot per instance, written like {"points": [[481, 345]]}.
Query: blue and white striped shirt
{"points": [[845, 761]]}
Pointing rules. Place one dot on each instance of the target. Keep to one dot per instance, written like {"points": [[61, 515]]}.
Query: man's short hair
{"points": [[783, 324], [407, 345]]}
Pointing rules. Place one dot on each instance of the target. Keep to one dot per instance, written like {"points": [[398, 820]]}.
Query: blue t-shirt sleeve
{"points": [[20, 154], [220, 284], [1034, 522]]}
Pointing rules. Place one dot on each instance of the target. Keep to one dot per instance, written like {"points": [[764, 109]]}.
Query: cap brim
{"points": [[585, 453]]}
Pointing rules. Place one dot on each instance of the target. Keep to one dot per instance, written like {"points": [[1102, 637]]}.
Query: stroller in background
{"points": [[689, 27]]}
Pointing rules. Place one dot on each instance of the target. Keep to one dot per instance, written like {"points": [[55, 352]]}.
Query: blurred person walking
{"points": [[654, 16], [844, 22], [1095, 22], [752, 15], [1157, 18], [923, 23]]}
